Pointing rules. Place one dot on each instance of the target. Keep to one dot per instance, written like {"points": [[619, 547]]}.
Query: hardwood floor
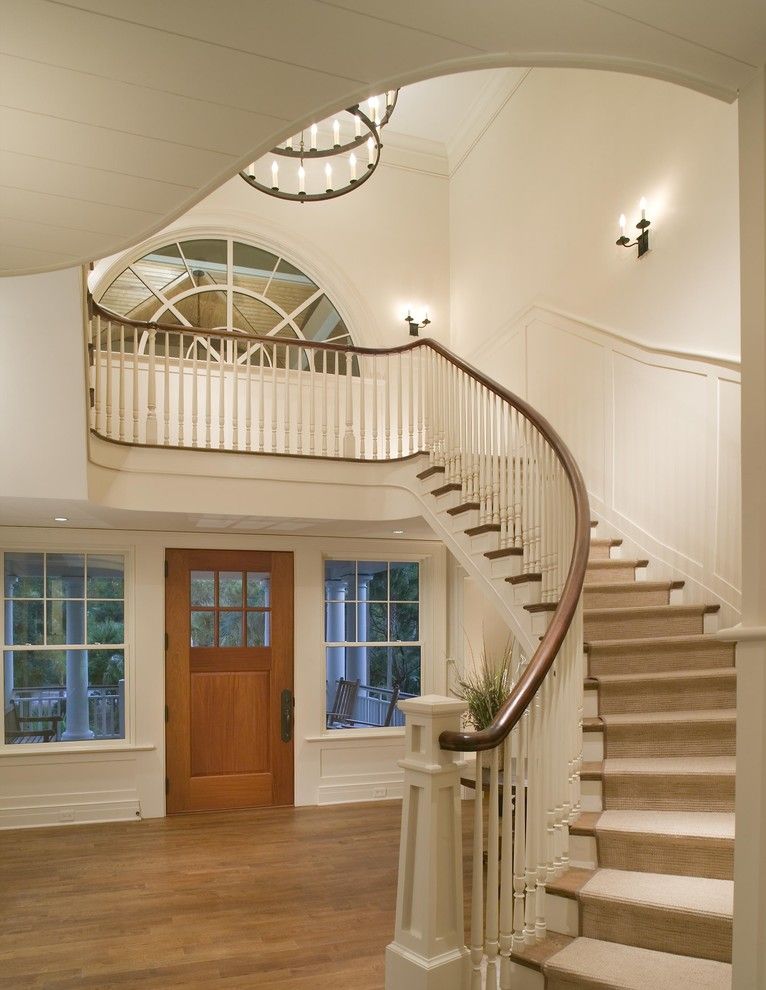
{"points": [[275, 898]]}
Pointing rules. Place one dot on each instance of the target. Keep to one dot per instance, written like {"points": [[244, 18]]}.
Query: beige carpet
{"points": [[590, 965], [692, 783], [647, 655], [667, 691], [684, 843], [681, 733], [689, 916]]}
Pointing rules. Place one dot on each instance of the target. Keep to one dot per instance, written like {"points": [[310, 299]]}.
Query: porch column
{"points": [[359, 663], [335, 619], [750, 847], [77, 720], [8, 655], [428, 951]]}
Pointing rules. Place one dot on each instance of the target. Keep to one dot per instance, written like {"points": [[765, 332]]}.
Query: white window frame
{"points": [[425, 629], [82, 745]]}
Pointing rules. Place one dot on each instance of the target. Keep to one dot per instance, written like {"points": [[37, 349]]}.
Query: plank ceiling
{"points": [[116, 117]]}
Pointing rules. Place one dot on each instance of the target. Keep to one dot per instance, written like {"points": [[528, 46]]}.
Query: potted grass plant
{"points": [[486, 686]]}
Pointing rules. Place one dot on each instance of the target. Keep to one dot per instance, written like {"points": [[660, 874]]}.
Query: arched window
{"points": [[219, 283]]}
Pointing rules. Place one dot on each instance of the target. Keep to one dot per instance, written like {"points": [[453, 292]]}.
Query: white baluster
{"points": [[166, 390], [221, 394], [399, 407], [362, 421], [274, 404], [312, 358], [151, 390], [109, 424], [261, 393], [387, 412], [325, 402], [288, 441], [233, 346], [507, 887], [249, 398], [181, 391], [121, 392], [411, 396], [336, 447], [195, 392], [491, 937], [477, 881], [349, 444], [519, 744], [421, 355], [134, 433], [208, 392], [375, 426]]}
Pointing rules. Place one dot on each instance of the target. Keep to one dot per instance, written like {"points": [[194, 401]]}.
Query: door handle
{"points": [[286, 708]]}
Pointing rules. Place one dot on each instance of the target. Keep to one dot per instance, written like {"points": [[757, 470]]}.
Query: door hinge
{"points": [[167, 785], [167, 714], [166, 568], [166, 641]]}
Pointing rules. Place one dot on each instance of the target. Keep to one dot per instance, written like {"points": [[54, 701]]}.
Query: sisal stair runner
{"points": [[657, 912]]}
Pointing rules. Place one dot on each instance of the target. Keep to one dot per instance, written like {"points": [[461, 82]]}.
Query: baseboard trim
{"points": [[67, 810]]}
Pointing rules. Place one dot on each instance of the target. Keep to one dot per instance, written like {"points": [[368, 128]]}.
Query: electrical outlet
{"points": [[379, 792], [66, 814]]}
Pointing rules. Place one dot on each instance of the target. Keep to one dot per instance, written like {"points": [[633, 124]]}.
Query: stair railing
{"points": [[159, 385]]}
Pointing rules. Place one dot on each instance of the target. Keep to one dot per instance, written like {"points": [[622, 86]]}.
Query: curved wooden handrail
{"points": [[544, 656]]}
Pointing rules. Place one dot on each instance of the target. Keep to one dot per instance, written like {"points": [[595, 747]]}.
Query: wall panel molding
{"points": [[656, 432]]}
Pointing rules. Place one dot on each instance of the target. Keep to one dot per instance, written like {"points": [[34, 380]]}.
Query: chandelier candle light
{"points": [[330, 144]]}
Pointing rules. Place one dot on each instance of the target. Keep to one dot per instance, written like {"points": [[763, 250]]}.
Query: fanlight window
{"points": [[224, 284]]}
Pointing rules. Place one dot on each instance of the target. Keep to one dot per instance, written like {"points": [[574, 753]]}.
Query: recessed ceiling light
{"points": [[398, 532], [60, 519]]}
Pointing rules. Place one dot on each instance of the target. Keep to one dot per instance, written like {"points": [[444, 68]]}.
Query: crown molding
{"points": [[485, 108], [415, 153]]}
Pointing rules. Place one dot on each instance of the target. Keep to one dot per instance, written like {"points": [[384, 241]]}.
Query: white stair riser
{"points": [[563, 914], [484, 542], [540, 622], [503, 567], [526, 593], [593, 747], [583, 852], [448, 500], [591, 795], [462, 521], [590, 706]]}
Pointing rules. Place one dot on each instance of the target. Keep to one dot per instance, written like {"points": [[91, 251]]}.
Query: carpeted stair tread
{"points": [[699, 765], [590, 964], [691, 895], [669, 783], [696, 824], [631, 718], [660, 676]]}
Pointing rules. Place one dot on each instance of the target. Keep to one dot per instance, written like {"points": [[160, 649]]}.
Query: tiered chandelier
{"points": [[329, 159]]}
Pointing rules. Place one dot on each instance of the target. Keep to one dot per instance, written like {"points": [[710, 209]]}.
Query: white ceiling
{"points": [[116, 118], [85, 515], [436, 110]]}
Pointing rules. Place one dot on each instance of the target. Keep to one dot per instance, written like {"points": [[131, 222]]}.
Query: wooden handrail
{"points": [[544, 656]]}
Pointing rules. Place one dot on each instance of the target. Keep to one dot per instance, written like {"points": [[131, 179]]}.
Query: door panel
{"points": [[229, 620]]}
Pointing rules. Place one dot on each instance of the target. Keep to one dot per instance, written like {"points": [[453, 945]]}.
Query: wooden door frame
{"points": [[177, 681]]}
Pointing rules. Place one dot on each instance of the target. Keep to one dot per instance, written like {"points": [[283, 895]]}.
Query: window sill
{"points": [[393, 732], [64, 749]]}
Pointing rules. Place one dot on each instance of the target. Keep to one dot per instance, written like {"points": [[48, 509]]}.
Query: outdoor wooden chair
{"points": [[15, 731], [342, 711]]}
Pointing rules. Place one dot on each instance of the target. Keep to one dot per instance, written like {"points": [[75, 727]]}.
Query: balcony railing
{"points": [[106, 708]]}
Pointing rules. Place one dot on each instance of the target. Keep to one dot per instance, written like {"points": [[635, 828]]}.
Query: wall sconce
{"points": [[416, 325], [642, 239]]}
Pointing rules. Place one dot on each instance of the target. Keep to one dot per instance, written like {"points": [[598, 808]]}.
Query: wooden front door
{"points": [[229, 664]]}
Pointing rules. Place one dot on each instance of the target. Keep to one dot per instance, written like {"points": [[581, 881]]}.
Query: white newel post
{"points": [[428, 950]]}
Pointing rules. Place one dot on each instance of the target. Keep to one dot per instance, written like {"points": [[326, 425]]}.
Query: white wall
{"points": [[115, 782], [534, 210], [42, 386]]}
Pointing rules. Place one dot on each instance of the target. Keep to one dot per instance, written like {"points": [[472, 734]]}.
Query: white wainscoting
{"points": [[657, 435]]}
